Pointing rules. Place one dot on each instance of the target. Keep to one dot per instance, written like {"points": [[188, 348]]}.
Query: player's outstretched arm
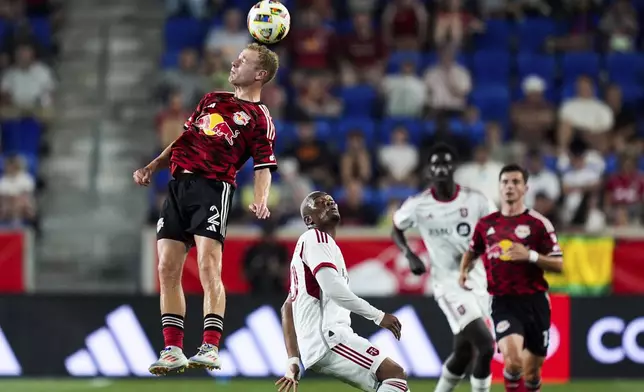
{"points": [[262, 187], [293, 372], [143, 176]]}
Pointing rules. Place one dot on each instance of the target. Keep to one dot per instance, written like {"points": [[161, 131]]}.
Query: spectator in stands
{"points": [[544, 188], [28, 86], [398, 160], [17, 187], [449, 85], [231, 38], [362, 52], [623, 131], [405, 24], [216, 69], [317, 101], [355, 211], [405, 93], [293, 189], [274, 97], [585, 115], [580, 185], [625, 194], [195, 8], [171, 119], [187, 79], [266, 263], [501, 151], [313, 155], [533, 117], [355, 162], [454, 25], [522, 8], [582, 16], [620, 26], [310, 45], [481, 174]]}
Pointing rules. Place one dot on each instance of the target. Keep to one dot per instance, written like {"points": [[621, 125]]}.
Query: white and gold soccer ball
{"points": [[269, 21]]}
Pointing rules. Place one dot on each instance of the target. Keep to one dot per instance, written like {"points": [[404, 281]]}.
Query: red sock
{"points": [[213, 326], [172, 330], [173, 336], [513, 383]]}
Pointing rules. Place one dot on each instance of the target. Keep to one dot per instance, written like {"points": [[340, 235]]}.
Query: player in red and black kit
{"points": [[225, 130], [517, 244]]}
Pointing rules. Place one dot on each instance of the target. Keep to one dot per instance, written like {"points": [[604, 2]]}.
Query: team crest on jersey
{"points": [[241, 118], [464, 212], [522, 231]]}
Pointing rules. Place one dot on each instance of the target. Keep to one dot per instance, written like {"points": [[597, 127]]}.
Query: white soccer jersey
{"points": [[314, 314], [446, 229]]}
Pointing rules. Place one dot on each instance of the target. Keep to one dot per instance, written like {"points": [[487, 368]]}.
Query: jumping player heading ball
{"points": [[223, 132]]}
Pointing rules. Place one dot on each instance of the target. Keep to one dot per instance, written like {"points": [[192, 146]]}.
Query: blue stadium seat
{"points": [[625, 68], [181, 33], [397, 193], [370, 195], [612, 164], [493, 102], [574, 65], [475, 132], [497, 35], [358, 100], [343, 27], [550, 162], [533, 33], [491, 67], [41, 28], [31, 131], [632, 94], [11, 136], [544, 66], [170, 59], [161, 179], [285, 135], [396, 60], [323, 129], [31, 160], [344, 126], [413, 126]]}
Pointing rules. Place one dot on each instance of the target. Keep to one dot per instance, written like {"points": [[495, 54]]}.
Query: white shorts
{"points": [[353, 360], [461, 307]]}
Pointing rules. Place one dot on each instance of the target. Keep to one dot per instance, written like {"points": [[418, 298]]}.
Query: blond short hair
{"points": [[268, 60]]}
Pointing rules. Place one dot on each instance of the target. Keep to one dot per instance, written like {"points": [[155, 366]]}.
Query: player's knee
{"points": [[463, 354], [485, 348], [169, 269], [209, 266], [390, 369], [513, 364]]}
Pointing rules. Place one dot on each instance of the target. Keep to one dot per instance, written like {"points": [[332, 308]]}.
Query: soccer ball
{"points": [[269, 21]]}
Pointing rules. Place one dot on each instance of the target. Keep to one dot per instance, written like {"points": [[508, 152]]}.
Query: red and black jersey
{"points": [[493, 236], [221, 135]]}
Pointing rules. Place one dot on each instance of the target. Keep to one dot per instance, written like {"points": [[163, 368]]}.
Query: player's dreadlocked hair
{"points": [[307, 206]]}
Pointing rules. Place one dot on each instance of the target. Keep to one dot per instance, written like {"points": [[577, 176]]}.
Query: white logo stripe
{"points": [[267, 327], [80, 364], [420, 352], [270, 127], [104, 350], [132, 340], [248, 357], [9, 365]]}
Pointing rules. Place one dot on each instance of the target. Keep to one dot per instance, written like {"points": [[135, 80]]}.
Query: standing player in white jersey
{"points": [[446, 215], [316, 317]]}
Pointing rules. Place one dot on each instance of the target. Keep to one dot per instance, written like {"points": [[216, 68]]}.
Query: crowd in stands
{"points": [[366, 87], [27, 85]]}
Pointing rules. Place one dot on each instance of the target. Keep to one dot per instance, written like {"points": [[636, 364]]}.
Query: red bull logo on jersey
{"points": [[214, 125], [500, 250]]}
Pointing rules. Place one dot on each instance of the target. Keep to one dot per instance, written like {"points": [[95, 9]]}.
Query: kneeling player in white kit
{"points": [[316, 316], [446, 215]]}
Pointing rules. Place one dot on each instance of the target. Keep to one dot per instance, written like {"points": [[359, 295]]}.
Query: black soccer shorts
{"points": [[195, 206], [526, 315]]}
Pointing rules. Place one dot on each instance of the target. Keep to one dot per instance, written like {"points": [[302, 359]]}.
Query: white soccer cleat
{"points": [[206, 358], [171, 359]]}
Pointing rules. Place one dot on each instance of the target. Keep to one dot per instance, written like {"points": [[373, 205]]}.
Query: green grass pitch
{"points": [[317, 385]]}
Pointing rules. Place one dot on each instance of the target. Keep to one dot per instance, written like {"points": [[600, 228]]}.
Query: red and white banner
{"points": [[16, 262], [376, 267]]}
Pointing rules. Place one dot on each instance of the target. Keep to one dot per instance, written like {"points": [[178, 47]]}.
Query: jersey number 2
{"points": [[293, 289]]}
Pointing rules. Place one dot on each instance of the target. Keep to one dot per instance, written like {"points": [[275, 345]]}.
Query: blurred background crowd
{"points": [[365, 87], [28, 52]]}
